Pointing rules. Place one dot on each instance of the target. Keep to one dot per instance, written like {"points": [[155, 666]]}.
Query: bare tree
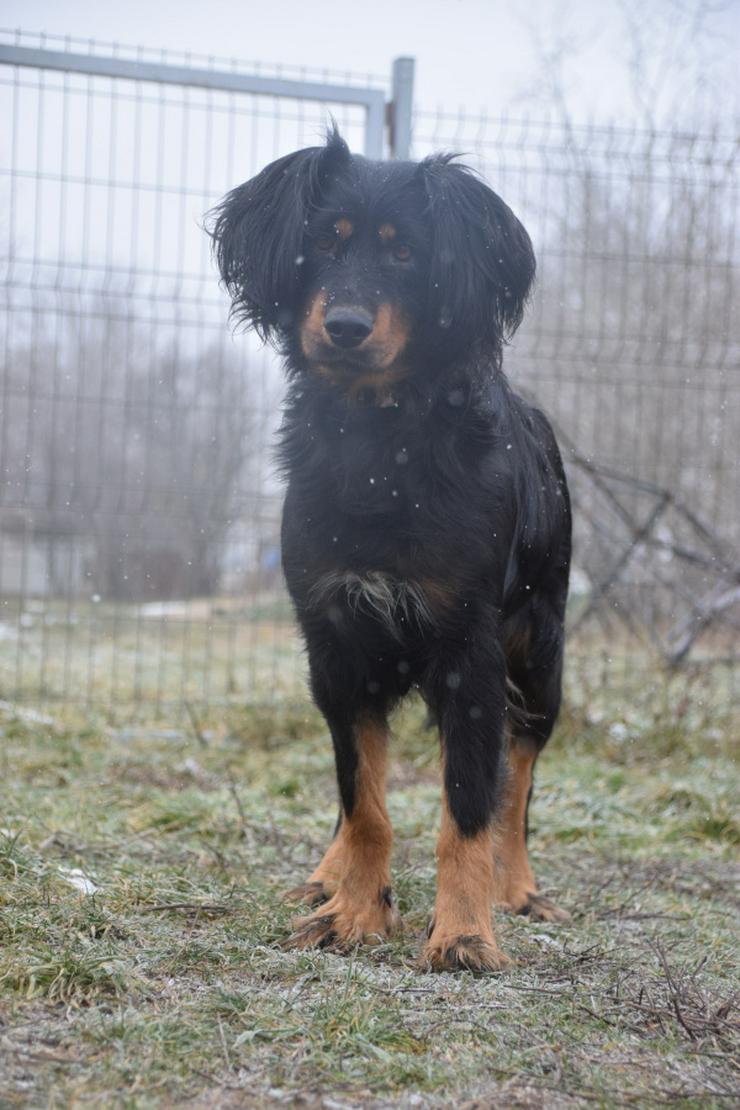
{"points": [[149, 452], [634, 323]]}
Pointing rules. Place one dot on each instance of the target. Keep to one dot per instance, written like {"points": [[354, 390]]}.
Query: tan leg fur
{"points": [[515, 888], [322, 884], [462, 930], [360, 909]]}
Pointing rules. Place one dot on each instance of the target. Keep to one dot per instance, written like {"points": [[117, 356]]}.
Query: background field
{"points": [[141, 917]]}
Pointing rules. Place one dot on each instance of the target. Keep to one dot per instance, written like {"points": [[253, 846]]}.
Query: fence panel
{"points": [[632, 346], [139, 507]]}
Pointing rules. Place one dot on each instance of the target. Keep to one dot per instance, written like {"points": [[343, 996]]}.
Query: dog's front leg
{"points": [[470, 700], [361, 909]]}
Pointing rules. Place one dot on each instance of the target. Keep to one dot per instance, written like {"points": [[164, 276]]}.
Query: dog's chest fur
{"points": [[402, 608], [400, 460], [387, 518]]}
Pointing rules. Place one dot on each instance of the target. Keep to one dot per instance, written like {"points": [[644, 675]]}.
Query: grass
{"points": [[141, 871], [99, 652]]}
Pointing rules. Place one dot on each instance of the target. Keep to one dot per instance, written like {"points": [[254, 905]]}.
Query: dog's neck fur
{"points": [[461, 383]]}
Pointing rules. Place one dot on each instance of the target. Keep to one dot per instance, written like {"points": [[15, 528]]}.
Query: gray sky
{"points": [[480, 53]]}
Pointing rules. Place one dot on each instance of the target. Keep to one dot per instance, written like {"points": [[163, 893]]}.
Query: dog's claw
{"points": [[463, 953], [313, 894], [542, 909]]}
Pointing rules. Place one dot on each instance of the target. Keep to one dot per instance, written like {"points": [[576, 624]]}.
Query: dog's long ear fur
{"points": [[483, 263], [258, 230]]}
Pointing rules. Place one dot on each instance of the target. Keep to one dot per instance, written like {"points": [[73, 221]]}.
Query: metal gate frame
{"points": [[393, 116]]}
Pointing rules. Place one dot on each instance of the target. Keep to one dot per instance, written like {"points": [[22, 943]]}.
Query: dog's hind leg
{"points": [[534, 663], [361, 907], [515, 884], [322, 884]]}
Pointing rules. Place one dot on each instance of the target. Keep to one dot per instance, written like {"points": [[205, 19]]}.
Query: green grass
{"points": [[141, 919]]}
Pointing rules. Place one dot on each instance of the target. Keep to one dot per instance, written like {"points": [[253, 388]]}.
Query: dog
{"points": [[426, 530]]}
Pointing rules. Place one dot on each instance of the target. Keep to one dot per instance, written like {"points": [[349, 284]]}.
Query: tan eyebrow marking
{"points": [[387, 232], [344, 228]]}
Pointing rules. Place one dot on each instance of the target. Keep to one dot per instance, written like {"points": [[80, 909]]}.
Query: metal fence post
{"points": [[401, 107]]}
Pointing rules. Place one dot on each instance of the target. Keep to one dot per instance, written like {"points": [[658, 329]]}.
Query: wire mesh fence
{"points": [[632, 346], [139, 506]]}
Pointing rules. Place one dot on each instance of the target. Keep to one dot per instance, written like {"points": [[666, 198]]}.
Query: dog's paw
{"points": [[313, 894], [315, 931], [462, 953], [339, 925]]}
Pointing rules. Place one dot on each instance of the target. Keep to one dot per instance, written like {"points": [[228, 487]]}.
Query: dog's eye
{"points": [[326, 242], [402, 252]]}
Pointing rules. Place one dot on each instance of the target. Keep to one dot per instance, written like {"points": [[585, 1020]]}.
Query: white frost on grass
{"points": [[78, 879], [29, 715]]}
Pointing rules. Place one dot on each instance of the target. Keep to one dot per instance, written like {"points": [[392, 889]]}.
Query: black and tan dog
{"points": [[426, 532]]}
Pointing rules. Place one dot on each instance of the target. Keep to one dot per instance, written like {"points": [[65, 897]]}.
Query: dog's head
{"points": [[366, 270]]}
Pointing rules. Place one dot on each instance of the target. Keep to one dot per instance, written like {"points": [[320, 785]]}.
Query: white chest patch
{"points": [[395, 603]]}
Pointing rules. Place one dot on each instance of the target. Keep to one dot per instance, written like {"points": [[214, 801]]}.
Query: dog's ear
{"points": [[258, 229], [483, 264]]}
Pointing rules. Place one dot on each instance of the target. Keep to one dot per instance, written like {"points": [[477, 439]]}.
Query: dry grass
{"points": [[141, 919]]}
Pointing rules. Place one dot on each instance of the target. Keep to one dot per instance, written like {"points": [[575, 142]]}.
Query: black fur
{"points": [[424, 476]]}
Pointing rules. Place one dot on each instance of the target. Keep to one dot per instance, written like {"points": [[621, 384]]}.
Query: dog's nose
{"points": [[348, 326]]}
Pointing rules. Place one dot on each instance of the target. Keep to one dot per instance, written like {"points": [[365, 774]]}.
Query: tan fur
{"points": [[515, 888], [440, 596], [322, 884], [383, 346], [360, 910], [312, 330], [462, 931], [514, 878], [329, 871], [389, 336]]}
